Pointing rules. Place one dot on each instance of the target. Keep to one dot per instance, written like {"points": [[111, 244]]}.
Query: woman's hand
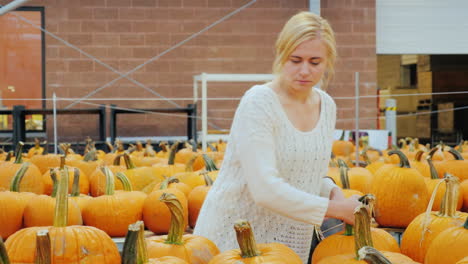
{"points": [[343, 208]]}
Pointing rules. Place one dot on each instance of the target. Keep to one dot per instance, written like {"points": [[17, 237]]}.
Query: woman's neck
{"points": [[288, 93]]}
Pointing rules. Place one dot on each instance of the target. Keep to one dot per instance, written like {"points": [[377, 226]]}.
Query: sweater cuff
{"points": [[327, 185], [319, 211]]}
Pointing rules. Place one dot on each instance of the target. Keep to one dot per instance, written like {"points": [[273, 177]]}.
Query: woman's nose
{"points": [[305, 69]]}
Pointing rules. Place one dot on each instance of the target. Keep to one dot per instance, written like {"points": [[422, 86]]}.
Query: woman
{"points": [[279, 149]]}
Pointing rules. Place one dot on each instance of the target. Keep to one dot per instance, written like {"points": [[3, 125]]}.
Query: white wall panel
{"points": [[422, 26]]}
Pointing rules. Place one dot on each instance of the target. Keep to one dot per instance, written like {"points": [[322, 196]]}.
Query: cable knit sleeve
{"points": [[255, 142]]}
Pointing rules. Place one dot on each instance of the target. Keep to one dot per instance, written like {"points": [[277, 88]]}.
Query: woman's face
{"points": [[305, 66]]}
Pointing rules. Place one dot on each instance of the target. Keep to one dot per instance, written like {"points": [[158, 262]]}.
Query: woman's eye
{"points": [[295, 61], [315, 63]]}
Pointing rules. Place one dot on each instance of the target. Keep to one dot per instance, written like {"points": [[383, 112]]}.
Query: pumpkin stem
{"points": [[172, 153], [142, 253], [349, 230], [448, 207], [212, 148], [362, 228], [404, 162], [432, 169], [62, 161], [165, 183], [427, 215], [189, 164], [139, 146], [432, 152], [176, 231], [130, 247], [19, 175], [3, 253], [19, 153], [344, 174], [193, 144], [209, 163], [127, 186], [128, 161], [43, 247], [53, 176], [61, 200], [455, 154], [369, 201], [366, 157], [110, 181], [418, 155], [90, 156], [163, 146], [246, 239], [372, 256], [9, 155], [465, 225], [75, 191], [207, 178], [117, 160]]}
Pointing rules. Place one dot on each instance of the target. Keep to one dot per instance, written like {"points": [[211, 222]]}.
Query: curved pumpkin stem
{"points": [[128, 161], [189, 164], [19, 153], [127, 185], [448, 207], [207, 178], [3, 253], [404, 162], [90, 156], [455, 154], [134, 249], [432, 169], [172, 153], [110, 182], [344, 174], [61, 202], [168, 180], [372, 256], [53, 176], [117, 160], [176, 231], [418, 155], [209, 163], [246, 239], [362, 228], [43, 247], [75, 191], [19, 175], [9, 155]]}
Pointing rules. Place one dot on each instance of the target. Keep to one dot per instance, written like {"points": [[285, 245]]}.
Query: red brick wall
{"points": [[127, 33]]}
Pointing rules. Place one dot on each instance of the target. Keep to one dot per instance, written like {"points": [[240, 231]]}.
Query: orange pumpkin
{"points": [[401, 193], [423, 229], [342, 147], [463, 261], [135, 251], [372, 256], [140, 177], [456, 166], [432, 182], [83, 179], [171, 168], [32, 180], [97, 179], [36, 150], [191, 248], [114, 211], [449, 246], [88, 164], [173, 182], [196, 198], [464, 193], [92, 244]]}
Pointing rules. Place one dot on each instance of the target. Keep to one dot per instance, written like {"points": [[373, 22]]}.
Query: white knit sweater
{"points": [[272, 175]]}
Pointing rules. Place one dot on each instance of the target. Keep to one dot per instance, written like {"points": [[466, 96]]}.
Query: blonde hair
{"points": [[299, 28]]}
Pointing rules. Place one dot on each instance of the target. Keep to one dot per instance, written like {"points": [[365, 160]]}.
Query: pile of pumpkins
{"points": [[46, 199]]}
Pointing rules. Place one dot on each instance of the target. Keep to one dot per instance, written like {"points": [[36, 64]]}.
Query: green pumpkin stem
{"points": [[189, 164], [448, 207], [432, 169], [165, 183], [62, 161], [90, 156], [3, 253], [10, 154], [61, 202], [127, 185], [128, 161], [130, 247], [142, 252], [43, 247], [172, 153], [53, 176], [19, 153], [344, 174], [349, 230], [117, 160], [209, 163], [465, 225], [19, 175], [362, 228], [404, 162], [110, 181], [75, 191], [246, 239], [372, 256], [207, 178], [455, 154], [177, 229], [342, 135]]}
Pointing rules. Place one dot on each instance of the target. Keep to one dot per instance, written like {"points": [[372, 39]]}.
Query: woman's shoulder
{"points": [[326, 97], [258, 94]]}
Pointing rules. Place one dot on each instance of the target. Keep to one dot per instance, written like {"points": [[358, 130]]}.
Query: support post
{"points": [[390, 118]]}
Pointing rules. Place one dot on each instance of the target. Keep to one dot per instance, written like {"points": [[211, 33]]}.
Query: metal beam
{"points": [[13, 5]]}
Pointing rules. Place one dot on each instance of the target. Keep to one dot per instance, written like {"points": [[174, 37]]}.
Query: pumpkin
{"points": [[69, 244], [196, 198], [32, 180], [372, 256], [463, 261], [3, 253], [140, 177], [134, 249], [12, 205], [97, 180], [43, 247], [356, 178], [36, 150], [83, 179], [194, 179], [401, 193], [156, 214], [40, 210], [342, 147], [420, 233], [464, 193], [456, 166], [114, 211], [171, 167], [449, 246], [420, 164], [344, 242], [432, 182], [362, 239], [88, 164], [250, 252], [80, 199], [191, 248], [173, 182]]}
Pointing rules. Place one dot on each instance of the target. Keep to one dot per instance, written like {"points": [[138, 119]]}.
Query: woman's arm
{"points": [[340, 207]]}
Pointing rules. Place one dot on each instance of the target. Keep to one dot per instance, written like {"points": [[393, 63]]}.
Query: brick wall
{"points": [[126, 33]]}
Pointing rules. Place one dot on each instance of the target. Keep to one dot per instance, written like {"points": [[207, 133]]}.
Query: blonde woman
{"points": [[280, 143]]}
